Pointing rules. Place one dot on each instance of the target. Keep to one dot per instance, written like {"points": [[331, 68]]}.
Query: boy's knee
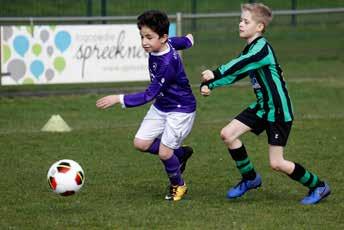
{"points": [[227, 136], [140, 145]]}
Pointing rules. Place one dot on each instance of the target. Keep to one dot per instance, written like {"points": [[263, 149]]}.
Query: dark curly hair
{"points": [[155, 20]]}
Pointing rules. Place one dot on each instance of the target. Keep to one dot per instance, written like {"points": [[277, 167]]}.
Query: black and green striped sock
{"points": [[305, 177], [243, 163]]}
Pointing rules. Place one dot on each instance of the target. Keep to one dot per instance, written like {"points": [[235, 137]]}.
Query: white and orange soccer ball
{"points": [[66, 177]]}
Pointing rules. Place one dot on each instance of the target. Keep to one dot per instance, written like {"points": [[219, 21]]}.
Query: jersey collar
{"points": [[162, 52]]}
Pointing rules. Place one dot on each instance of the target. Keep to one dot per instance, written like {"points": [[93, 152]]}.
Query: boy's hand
{"points": [[205, 91], [106, 102], [190, 37], [207, 75]]}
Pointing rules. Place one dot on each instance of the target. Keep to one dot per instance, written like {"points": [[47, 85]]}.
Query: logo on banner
{"points": [[34, 54]]}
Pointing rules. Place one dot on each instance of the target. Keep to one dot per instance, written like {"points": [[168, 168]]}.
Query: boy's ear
{"points": [[261, 27], [163, 38]]}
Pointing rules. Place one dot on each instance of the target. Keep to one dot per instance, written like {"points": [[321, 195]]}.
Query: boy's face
{"points": [[249, 28], [150, 40]]}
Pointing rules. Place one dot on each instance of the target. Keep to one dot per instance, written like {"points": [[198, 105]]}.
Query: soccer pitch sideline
{"points": [[124, 189]]}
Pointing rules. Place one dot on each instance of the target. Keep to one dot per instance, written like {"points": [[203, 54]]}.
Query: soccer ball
{"points": [[66, 177]]}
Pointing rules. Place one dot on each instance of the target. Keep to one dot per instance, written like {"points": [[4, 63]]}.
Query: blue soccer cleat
{"points": [[317, 194], [243, 186]]}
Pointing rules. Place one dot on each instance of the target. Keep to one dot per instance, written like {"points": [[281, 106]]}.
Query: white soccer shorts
{"points": [[171, 127]]}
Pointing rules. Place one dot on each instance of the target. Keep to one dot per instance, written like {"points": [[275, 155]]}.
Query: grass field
{"points": [[125, 188]]}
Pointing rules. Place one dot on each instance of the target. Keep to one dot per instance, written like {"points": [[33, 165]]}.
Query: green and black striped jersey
{"points": [[259, 62]]}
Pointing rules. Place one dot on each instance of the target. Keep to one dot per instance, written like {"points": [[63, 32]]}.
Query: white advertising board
{"points": [[72, 54]]}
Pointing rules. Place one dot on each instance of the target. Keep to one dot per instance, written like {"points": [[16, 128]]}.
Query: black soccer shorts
{"points": [[277, 132]]}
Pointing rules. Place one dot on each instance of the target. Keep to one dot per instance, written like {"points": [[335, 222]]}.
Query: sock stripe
{"points": [[242, 163], [246, 169], [314, 182], [305, 178], [309, 181], [298, 172], [243, 166]]}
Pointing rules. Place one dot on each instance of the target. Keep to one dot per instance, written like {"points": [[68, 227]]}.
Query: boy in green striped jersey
{"points": [[271, 112]]}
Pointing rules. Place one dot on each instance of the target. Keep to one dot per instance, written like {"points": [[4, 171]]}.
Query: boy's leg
{"points": [[183, 153], [178, 126], [318, 189], [243, 163], [155, 145], [251, 179], [172, 167], [152, 126], [147, 145], [155, 124]]}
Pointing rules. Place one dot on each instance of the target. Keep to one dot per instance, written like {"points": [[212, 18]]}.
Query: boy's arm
{"points": [[108, 101], [159, 82], [217, 81], [257, 57], [239, 67], [181, 43]]}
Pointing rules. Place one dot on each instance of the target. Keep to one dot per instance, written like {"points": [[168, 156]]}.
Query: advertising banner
{"points": [[72, 54]]}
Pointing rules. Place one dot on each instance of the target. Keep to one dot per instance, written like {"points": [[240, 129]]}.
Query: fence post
{"points": [[1, 57], [103, 9], [179, 24], [293, 16], [89, 8], [179, 27]]}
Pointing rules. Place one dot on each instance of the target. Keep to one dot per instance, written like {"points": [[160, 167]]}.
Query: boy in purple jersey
{"points": [[170, 119]]}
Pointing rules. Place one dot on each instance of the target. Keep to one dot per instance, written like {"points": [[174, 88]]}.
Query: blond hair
{"points": [[260, 12]]}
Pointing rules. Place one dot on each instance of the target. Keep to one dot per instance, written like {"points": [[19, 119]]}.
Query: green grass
{"points": [[125, 188]]}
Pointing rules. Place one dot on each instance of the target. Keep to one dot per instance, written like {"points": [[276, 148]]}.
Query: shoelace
{"points": [[173, 190]]}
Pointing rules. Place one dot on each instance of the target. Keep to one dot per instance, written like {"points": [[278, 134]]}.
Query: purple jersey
{"points": [[169, 84]]}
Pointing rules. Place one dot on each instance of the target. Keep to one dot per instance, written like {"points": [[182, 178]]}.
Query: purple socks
{"points": [[154, 149], [172, 165], [172, 168]]}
